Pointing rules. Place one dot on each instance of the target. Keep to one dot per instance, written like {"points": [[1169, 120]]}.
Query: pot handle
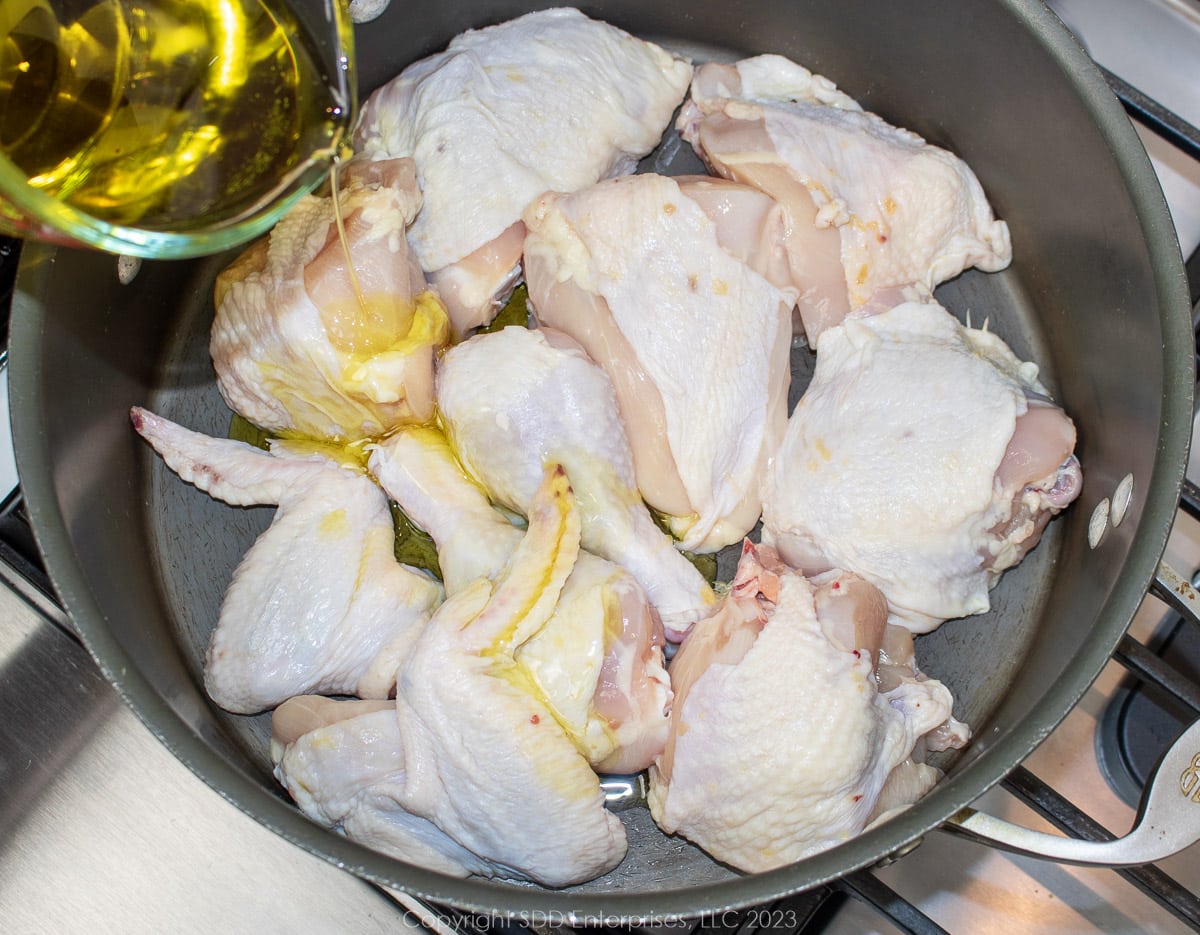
{"points": [[1169, 817]]}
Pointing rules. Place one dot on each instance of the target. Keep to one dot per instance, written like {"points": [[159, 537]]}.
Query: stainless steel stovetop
{"points": [[102, 830]]}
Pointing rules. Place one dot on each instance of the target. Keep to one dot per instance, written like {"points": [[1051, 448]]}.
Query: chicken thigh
{"points": [[782, 677], [319, 603], [550, 101], [306, 343], [598, 661], [511, 402], [486, 760], [878, 207], [674, 287], [925, 457]]}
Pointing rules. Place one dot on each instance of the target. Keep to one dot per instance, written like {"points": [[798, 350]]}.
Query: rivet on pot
{"points": [[902, 851], [622, 792], [1120, 499], [127, 268], [1098, 524]]}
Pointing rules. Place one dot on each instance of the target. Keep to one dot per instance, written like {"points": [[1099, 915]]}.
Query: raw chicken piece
{"points": [[551, 101], [343, 763], [487, 762], [299, 348], [896, 667], [923, 456], [781, 678], [664, 282], [904, 212], [598, 661], [512, 402], [319, 603]]}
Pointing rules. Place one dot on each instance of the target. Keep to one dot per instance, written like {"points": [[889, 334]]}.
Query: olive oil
{"points": [[166, 115]]}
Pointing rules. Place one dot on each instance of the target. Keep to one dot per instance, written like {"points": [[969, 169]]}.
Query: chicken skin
{"points": [[925, 457], [673, 286], [782, 677], [484, 754], [550, 101], [319, 603], [343, 764], [511, 402], [598, 661], [878, 208], [306, 343]]}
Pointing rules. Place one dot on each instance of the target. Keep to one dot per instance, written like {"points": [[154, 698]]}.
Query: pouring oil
{"points": [[168, 115]]}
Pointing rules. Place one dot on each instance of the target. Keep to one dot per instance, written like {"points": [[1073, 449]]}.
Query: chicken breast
{"points": [[319, 602], [925, 457], [305, 343], [904, 212], [674, 287], [550, 101], [782, 677]]}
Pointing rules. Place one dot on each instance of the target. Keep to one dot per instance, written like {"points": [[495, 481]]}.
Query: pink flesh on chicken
{"points": [[629, 690], [1040, 467], [388, 281], [814, 254], [474, 288], [1042, 441], [383, 314], [304, 713], [852, 611]]}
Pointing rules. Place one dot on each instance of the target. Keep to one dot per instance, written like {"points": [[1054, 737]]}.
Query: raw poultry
{"points": [[675, 288], [598, 661], [923, 459], [550, 101], [319, 603], [923, 456], [305, 342], [783, 677], [877, 206], [515, 399]]}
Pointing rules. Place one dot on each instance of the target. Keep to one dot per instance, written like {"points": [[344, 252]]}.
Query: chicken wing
{"points": [[598, 661], [319, 603]]}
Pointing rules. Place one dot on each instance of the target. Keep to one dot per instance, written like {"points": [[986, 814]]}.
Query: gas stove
{"points": [[101, 829]]}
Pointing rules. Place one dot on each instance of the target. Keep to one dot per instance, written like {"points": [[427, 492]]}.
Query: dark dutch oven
{"points": [[1096, 295]]}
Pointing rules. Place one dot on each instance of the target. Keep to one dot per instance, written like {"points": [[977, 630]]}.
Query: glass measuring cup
{"points": [[167, 128]]}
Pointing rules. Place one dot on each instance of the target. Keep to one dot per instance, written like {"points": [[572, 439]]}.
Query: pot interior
{"points": [[1094, 295]]}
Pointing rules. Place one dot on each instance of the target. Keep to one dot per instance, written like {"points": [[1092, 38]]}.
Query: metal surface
{"points": [[1097, 280], [124, 841]]}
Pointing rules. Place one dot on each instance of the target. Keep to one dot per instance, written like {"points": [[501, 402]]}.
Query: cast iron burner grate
{"points": [[1164, 687]]}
